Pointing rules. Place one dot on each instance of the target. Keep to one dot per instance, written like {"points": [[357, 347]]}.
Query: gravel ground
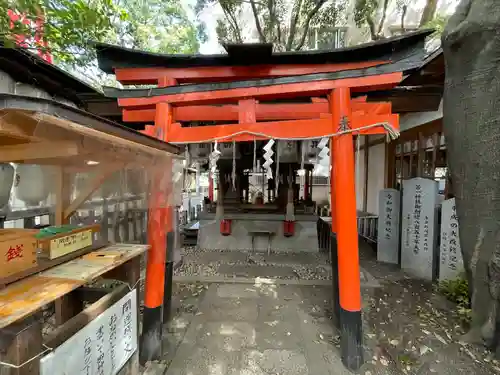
{"points": [[411, 329], [200, 262]]}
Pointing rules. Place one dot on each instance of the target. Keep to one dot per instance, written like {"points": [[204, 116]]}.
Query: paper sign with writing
{"points": [[67, 244], [450, 256], [100, 348], [418, 227], [388, 226]]}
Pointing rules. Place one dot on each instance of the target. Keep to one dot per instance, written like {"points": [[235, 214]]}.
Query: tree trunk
{"points": [[471, 45], [429, 12]]}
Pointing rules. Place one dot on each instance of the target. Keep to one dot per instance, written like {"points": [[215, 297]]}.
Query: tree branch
{"points": [[403, 16], [429, 12], [262, 37], [371, 25], [293, 25], [307, 23], [233, 23], [382, 19]]}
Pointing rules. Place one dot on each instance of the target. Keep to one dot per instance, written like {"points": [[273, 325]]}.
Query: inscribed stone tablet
{"points": [[450, 255], [388, 226], [418, 227]]}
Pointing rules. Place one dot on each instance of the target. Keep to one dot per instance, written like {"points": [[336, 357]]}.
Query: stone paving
{"points": [[261, 329], [237, 316]]}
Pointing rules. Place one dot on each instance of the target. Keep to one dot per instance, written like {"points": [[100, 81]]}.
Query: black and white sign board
{"points": [[418, 240], [102, 347], [388, 226], [450, 256]]}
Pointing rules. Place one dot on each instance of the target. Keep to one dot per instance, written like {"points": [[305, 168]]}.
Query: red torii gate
{"points": [[330, 110]]}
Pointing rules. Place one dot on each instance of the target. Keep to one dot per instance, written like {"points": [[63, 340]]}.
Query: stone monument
{"points": [[450, 255], [418, 239], [388, 226]]}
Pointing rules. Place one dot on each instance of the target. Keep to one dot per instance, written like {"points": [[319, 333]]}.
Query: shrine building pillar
{"points": [[344, 200]]}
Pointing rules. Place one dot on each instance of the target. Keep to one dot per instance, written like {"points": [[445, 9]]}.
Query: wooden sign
{"points": [[418, 242], [102, 347], [18, 251], [388, 226], [62, 244], [68, 244], [450, 255]]}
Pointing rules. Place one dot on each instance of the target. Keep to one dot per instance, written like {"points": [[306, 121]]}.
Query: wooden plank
{"points": [[44, 264], [26, 296], [99, 177], [63, 193], [143, 76], [80, 320], [269, 112], [36, 151], [363, 83], [67, 306], [296, 129], [91, 294]]}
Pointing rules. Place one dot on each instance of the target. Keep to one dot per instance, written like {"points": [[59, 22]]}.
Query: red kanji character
{"points": [[14, 252]]}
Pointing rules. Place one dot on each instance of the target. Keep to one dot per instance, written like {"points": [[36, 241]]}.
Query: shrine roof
{"points": [[406, 63], [26, 67], [111, 57]]}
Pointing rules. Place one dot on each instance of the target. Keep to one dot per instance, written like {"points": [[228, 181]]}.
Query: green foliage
{"points": [[283, 23], [71, 25], [68, 24], [157, 26], [458, 291], [438, 23], [364, 10]]}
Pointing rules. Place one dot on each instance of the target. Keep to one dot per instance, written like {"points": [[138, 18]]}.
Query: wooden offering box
{"points": [[58, 245], [18, 249]]}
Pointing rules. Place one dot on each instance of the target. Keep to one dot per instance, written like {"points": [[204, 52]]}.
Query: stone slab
{"points": [[227, 336], [205, 361], [236, 291], [230, 309], [451, 263], [418, 242], [257, 271], [291, 258], [304, 238], [275, 362], [388, 226]]}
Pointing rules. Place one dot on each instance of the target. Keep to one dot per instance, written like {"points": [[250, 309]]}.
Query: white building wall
{"points": [[360, 179], [376, 176]]}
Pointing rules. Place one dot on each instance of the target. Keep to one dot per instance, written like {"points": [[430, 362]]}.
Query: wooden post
{"points": [[19, 343], [169, 266], [155, 272], [333, 235], [347, 233], [306, 185], [210, 187]]}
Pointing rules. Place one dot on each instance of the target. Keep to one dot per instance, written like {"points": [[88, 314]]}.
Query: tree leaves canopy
{"points": [[70, 25], [286, 24]]}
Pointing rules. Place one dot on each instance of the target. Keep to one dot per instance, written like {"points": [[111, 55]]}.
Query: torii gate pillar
{"points": [[344, 215]]}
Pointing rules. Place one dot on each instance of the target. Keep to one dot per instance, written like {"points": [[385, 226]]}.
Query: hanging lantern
{"points": [[33, 184], [6, 182]]}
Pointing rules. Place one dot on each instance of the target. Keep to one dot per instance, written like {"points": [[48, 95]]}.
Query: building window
{"points": [[419, 155]]}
